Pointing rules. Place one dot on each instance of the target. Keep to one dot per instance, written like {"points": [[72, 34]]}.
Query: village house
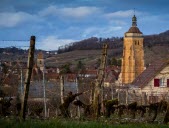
{"points": [[111, 75], [153, 83], [92, 73]]}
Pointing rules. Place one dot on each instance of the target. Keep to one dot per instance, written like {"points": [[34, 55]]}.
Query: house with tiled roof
{"points": [[37, 74], [89, 73], [52, 76], [153, 83], [111, 75]]}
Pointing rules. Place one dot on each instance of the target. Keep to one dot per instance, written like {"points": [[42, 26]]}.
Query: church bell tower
{"points": [[40, 61], [133, 54]]}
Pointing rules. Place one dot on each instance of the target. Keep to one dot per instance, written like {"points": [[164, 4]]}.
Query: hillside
{"points": [[88, 57], [69, 57], [94, 43], [89, 50]]}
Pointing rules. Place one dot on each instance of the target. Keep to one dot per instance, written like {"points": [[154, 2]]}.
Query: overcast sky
{"points": [[58, 22]]}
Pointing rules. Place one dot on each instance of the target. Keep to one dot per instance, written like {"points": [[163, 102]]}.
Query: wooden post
{"points": [[92, 92], [118, 95], [96, 99], [99, 81], [78, 108], [56, 112], [44, 94], [141, 97], [24, 99], [102, 99], [21, 82], [112, 93], [62, 88], [48, 112], [126, 96]]}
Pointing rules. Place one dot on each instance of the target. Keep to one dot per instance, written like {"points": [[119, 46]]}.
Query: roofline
{"points": [[163, 66]]}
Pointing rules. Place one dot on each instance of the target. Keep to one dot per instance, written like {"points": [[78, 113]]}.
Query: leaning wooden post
{"points": [[92, 93], [78, 108], [62, 88], [24, 98], [102, 98], [99, 82]]}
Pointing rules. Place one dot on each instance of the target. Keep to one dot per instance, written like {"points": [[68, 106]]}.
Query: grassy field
{"points": [[63, 123]]}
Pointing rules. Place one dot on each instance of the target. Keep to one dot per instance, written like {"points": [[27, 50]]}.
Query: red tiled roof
{"points": [[91, 72], [113, 70], [71, 77], [150, 73], [52, 75], [36, 74]]}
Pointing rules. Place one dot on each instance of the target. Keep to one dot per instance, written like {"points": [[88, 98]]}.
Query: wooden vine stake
{"points": [[98, 95], [30, 63]]}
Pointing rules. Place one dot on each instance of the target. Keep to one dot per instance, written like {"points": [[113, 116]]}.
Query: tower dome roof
{"points": [[134, 28]]}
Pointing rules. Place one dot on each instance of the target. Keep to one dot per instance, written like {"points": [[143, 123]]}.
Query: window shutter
{"points": [[167, 82], [156, 82]]}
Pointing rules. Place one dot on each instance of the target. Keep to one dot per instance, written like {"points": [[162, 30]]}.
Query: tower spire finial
{"points": [[134, 20]]}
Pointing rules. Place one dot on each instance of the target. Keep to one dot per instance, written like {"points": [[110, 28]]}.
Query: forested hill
{"points": [[94, 43], [157, 39]]}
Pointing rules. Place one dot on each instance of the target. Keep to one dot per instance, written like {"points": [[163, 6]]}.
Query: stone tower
{"points": [[40, 61], [133, 54]]}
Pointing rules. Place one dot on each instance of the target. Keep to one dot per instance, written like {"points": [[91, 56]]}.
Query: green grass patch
{"points": [[63, 123]]}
